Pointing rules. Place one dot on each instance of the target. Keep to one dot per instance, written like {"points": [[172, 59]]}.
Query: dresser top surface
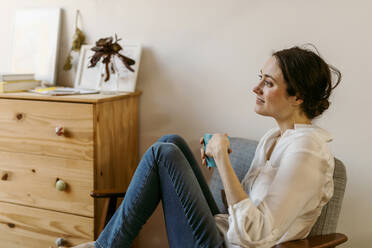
{"points": [[88, 98]]}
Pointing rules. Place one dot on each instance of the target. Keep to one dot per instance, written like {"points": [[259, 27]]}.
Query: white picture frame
{"points": [[86, 78], [89, 78], [35, 44]]}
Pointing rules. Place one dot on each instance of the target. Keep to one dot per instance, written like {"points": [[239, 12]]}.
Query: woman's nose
{"points": [[257, 89]]}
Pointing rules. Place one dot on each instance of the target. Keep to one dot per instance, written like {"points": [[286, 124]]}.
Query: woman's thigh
{"points": [[189, 218], [185, 149], [164, 174]]}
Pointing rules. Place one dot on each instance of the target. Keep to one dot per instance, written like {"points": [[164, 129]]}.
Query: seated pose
{"points": [[281, 196]]}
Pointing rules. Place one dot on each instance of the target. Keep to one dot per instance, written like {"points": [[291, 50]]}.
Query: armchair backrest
{"points": [[241, 158]]}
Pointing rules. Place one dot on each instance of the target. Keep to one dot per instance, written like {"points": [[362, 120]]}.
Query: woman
{"points": [[280, 198]]}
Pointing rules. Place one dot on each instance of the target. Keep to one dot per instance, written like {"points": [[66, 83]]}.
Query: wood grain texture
{"points": [[116, 146], [319, 241], [29, 127], [89, 98], [34, 228], [98, 150], [32, 178]]}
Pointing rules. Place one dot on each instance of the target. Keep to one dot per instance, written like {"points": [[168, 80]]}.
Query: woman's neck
{"points": [[289, 123]]}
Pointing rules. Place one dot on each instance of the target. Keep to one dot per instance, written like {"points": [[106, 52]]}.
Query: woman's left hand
{"points": [[219, 143]]}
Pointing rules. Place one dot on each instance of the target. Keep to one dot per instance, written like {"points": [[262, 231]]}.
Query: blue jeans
{"points": [[169, 172]]}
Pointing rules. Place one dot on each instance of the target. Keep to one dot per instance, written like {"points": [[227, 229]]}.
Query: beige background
{"points": [[201, 60]]}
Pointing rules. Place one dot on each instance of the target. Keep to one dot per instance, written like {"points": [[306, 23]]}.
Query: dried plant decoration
{"points": [[106, 49], [77, 42]]}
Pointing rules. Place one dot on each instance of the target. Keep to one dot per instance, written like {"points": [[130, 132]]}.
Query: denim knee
{"points": [[165, 150], [171, 138]]}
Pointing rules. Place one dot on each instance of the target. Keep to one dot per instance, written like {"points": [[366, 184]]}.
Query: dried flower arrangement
{"points": [[106, 49]]}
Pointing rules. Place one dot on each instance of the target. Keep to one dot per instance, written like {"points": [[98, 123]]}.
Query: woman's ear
{"points": [[299, 100], [296, 101]]}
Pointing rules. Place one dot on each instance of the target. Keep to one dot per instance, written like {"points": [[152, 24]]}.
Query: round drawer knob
{"points": [[60, 242], [61, 185], [60, 130]]}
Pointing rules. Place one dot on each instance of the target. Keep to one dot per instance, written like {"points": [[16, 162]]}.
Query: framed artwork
{"points": [[90, 78], [35, 42], [86, 78]]}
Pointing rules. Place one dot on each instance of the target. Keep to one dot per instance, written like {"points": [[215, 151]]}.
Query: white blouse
{"points": [[286, 193]]}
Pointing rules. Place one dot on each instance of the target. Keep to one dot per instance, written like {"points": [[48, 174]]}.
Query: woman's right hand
{"points": [[202, 152]]}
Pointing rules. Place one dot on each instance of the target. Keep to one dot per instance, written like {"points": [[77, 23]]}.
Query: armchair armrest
{"points": [[104, 193], [319, 241], [110, 196]]}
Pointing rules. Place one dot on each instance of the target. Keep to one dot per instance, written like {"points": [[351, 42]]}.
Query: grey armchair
{"points": [[322, 234]]}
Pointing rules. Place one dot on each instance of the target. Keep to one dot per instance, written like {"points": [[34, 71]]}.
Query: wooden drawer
{"points": [[29, 126], [98, 150], [31, 227], [30, 180]]}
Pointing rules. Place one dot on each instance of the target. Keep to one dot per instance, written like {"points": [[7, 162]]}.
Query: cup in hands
{"points": [[209, 160]]}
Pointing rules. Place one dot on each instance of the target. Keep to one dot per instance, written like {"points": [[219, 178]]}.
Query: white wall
{"points": [[201, 60]]}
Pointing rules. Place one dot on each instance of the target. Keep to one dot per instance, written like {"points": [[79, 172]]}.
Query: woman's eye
{"points": [[269, 84]]}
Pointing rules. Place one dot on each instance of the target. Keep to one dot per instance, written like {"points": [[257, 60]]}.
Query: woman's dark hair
{"points": [[309, 77]]}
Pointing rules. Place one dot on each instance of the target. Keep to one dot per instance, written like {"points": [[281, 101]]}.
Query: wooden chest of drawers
{"points": [[82, 142]]}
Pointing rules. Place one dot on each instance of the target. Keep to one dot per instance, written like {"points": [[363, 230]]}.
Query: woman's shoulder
{"points": [[309, 138]]}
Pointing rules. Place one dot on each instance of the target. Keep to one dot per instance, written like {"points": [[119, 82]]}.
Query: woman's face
{"points": [[272, 98]]}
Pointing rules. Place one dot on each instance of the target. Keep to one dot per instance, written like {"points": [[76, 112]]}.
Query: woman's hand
{"points": [[217, 144], [202, 152]]}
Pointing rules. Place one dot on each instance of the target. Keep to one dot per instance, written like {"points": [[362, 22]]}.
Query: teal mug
{"points": [[210, 161]]}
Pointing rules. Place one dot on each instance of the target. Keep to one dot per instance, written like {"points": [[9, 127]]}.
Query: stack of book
{"points": [[14, 82]]}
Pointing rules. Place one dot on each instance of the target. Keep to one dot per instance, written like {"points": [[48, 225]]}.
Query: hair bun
{"points": [[321, 107], [324, 104]]}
